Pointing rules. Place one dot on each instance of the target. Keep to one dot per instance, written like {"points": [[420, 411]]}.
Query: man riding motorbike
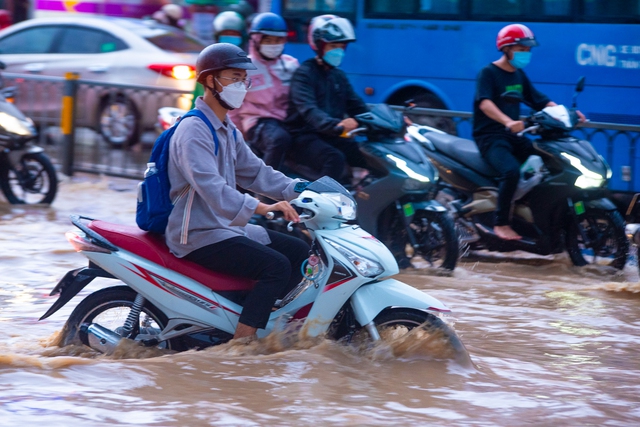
{"points": [[261, 115], [209, 223], [496, 121], [322, 102]]}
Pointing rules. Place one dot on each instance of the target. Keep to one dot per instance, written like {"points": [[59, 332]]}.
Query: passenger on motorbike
{"points": [[209, 221], [264, 109], [228, 27], [322, 102], [496, 121]]}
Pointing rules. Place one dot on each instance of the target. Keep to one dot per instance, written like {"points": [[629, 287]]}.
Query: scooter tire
{"points": [[442, 341], [617, 236], [47, 177], [106, 299]]}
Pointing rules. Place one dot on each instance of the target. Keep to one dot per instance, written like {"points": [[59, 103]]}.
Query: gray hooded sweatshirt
{"points": [[207, 206]]}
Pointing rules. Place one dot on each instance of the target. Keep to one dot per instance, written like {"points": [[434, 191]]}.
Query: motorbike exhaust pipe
{"points": [[100, 338]]}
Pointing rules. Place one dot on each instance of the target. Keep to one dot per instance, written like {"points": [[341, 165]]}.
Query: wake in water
{"points": [[398, 342]]}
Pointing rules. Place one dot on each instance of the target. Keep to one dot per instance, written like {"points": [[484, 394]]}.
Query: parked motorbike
{"points": [[26, 173], [568, 208], [175, 304]]}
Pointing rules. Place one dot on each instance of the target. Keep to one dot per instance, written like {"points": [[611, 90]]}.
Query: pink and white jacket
{"points": [[269, 93]]}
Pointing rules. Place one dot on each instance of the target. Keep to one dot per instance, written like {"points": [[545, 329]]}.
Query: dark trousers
{"points": [[328, 155], [272, 140], [276, 267], [505, 153]]}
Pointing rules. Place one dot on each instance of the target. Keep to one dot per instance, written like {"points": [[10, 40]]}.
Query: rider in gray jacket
{"points": [[209, 221]]}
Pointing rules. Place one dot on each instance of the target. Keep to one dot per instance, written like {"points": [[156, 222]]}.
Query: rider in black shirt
{"points": [[496, 121]]}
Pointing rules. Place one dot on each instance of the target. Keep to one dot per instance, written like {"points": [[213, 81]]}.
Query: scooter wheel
{"points": [[109, 308], [32, 181], [607, 239], [429, 335]]}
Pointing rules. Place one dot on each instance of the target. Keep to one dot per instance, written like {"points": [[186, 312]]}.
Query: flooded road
{"points": [[550, 344]]}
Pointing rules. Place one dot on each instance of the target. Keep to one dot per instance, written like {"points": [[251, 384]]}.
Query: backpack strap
{"points": [[197, 113]]}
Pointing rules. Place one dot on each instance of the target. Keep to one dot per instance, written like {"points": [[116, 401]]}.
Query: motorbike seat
{"points": [[463, 150], [152, 247]]}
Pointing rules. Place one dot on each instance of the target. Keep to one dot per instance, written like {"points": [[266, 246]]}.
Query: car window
{"points": [[169, 39], [31, 40], [88, 40]]}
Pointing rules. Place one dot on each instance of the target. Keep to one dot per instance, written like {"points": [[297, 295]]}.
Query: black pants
{"points": [[276, 267], [328, 155], [505, 153], [272, 140]]}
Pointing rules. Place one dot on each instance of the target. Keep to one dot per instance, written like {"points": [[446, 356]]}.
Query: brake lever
{"points": [[303, 217], [529, 129], [354, 131]]}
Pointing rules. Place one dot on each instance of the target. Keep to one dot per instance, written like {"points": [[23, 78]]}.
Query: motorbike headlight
{"points": [[609, 172], [588, 179], [14, 125], [402, 165], [346, 206], [365, 266]]}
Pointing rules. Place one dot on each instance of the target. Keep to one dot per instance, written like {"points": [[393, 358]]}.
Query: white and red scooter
{"points": [[176, 304]]}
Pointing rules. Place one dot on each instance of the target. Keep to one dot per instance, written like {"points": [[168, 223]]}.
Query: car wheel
{"points": [[119, 121]]}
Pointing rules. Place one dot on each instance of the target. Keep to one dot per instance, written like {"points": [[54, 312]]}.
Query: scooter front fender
{"points": [[369, 300], [429, 205]]}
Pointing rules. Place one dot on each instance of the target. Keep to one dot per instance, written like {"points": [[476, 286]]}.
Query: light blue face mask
{"points": [[234, 40], [520, 59], [334, 57]]}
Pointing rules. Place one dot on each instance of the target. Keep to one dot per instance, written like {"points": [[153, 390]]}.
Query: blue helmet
{"points": [[269, 24]]}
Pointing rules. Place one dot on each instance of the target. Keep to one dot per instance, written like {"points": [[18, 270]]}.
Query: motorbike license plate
{"points": [[579, 208]]}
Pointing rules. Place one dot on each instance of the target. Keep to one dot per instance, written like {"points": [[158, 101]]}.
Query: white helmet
{"points": [[173, 11], [328, 29]]}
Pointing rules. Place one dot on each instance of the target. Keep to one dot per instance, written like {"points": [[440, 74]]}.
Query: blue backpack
{"points": [[154, 202]]}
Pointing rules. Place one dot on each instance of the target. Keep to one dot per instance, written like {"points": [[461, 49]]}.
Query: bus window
{"points": [[557, 7], [328, 6], [390, 6], [498, 8], [439, 7], [612, 8], [434, 7]]}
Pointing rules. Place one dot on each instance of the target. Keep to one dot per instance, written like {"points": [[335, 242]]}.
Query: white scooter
{"points": [[175, 304]]}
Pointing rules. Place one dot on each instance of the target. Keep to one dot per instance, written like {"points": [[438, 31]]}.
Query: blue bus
{"points": [[431, 51]]}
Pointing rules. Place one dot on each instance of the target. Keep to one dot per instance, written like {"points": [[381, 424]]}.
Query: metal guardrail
{"points": [[85, 142], [41, 98]]}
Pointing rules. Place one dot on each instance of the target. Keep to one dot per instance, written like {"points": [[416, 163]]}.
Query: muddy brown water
{"points": [[549, 344]]}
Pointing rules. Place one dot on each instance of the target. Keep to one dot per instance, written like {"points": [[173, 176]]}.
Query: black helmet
{"points": [[220, 56]]}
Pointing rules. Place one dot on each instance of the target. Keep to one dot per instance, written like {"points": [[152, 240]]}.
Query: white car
{"points": [[119, 51]]}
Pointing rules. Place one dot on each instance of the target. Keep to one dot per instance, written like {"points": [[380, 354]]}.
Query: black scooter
{"points": [[568, 208], [26, 173], [396, 199]]}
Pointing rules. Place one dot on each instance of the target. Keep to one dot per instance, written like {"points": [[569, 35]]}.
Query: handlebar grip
{"points": [[274, 215]]}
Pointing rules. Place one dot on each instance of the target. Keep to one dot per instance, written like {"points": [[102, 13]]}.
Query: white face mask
{"points": [[271, 51], [233, 94]]}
